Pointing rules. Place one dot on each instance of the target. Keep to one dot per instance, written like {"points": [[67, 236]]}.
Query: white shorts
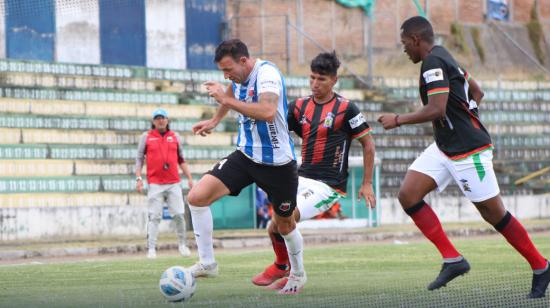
{"points": [[157, 194], [474, 174], [314, 197]]}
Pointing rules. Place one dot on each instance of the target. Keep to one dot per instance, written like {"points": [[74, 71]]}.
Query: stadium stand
{"points": [[68, 133]]}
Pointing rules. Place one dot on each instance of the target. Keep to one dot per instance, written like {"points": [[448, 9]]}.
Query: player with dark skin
{"points": [[442, 85]]}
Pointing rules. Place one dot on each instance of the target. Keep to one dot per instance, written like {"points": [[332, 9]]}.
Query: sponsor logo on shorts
{"points": [[465, 185], [285, 206], [308, 193]]}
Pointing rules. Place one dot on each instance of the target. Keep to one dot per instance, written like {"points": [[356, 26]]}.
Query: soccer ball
{"points": [[177, 284]]}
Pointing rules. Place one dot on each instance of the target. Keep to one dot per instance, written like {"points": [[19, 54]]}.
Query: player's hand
{"points": [[388, 120], [216, 91], [139, 186], [190, 183], [203, 128], [367, 193]]}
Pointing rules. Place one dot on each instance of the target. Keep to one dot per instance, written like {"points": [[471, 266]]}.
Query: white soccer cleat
{"points": [[294, 284], [184, 250], [151, 254], [202, 270]]}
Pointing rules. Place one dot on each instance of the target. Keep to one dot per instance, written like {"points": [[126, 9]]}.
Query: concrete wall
{"points": [[165, 26], [77, 28], [336, 27], [73, 222], [459, 209]]}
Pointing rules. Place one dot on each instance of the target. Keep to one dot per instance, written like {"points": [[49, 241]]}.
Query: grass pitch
{"points": [[358, 275]]}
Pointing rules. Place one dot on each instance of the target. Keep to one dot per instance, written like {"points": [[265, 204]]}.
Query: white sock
{"points": [[179, 220], [203, 227], [295, 247], [153, 223]]}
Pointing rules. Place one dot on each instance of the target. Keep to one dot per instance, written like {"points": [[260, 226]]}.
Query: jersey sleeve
{"points": [[355, 123], [434, 76], [293, 124], [269, 80]]}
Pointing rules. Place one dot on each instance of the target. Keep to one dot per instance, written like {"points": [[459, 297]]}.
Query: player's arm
{"points": [[437, 87], [264, 110], [140, 158], [475, 90], [435, 109], [356, 125], [366, 190], [205, 127]]}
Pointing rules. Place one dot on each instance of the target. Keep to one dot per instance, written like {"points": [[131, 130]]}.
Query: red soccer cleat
{"points": [[270, 275], [278, 285]]}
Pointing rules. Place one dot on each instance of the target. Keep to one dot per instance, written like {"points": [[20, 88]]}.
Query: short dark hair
{"points": [[234, 48], [326, 63], [420, 26]]}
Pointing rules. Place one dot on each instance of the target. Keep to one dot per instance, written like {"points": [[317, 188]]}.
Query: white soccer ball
{"points": [[177, 284]]}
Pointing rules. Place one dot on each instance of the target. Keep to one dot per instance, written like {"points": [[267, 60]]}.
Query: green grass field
{"points": [[359, 275]]}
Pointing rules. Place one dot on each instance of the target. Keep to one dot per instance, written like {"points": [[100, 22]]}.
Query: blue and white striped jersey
{"points": [[264, 142]]}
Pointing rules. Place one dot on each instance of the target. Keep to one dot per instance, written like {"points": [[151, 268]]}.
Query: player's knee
{"points": [[405, 198], [286, 226], [195, 198]]}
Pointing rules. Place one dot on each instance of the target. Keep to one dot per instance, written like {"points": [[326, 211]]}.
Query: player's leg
{"points": [[313, 198], [226, 177], [281, 267], [477, 180], [174, 199], [281, 185], [427, 173], [155, 200]]}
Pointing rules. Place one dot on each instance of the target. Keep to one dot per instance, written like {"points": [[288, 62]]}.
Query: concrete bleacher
{"points": [[68, 134]]}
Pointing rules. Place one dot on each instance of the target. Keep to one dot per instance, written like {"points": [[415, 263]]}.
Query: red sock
{"points": [[281, 253], [517, 236], [426, 220]]}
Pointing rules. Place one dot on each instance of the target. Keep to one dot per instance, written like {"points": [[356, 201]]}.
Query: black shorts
{"points": [[236, 171]]}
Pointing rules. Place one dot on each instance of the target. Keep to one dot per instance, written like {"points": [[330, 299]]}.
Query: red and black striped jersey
{"points": [[460, 132], [326, 131]]}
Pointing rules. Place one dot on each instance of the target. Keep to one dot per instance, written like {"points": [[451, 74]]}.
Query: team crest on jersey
{"points": [[251, 92], [303, 120], [285, 206], [329, 119], [169, 139]]}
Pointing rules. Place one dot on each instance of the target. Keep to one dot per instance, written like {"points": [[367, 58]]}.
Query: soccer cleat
{"points": [[540, 284], [202, 270], [270, 275], [294, 284], [278, 285], [151, 254], [449, 271], [184, 251]]}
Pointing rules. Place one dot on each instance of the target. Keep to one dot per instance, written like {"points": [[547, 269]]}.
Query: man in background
{"points": [[163, 151]]}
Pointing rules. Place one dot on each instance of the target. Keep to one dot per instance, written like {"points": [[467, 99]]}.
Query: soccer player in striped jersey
{"points": [[264, 155], [327, 124], [462, 152]]}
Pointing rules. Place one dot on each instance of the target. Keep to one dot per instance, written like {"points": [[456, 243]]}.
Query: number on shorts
{"points": [[220, 165]]}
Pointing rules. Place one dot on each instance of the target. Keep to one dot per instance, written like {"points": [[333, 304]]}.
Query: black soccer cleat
{"points": [[540, 284], [449, 271]]}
